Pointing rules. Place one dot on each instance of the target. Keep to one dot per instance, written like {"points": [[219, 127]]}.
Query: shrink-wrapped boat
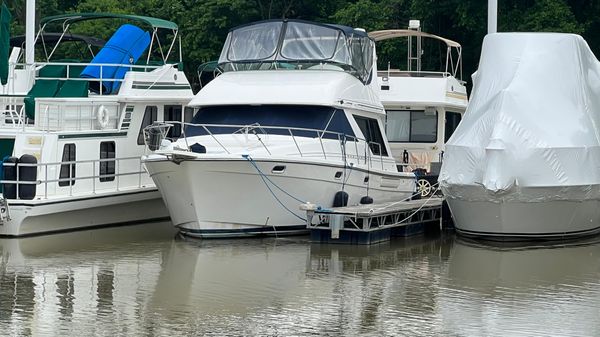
{"points": [[525, 160]]}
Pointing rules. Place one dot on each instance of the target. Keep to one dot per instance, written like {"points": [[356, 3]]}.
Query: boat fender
{"points": [[102, 117], [340, 199], [27, 174], [366, 200], [9, 173], [198, 148]]}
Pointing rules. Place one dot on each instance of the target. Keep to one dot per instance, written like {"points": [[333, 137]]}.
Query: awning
{"points": [[18, 41], [76, 17], [381, 35]]}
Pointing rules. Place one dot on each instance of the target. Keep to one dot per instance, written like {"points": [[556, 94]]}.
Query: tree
{"points": [[204, 24]]}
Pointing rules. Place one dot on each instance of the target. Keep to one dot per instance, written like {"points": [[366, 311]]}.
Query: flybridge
{"points": [[293, 44]]}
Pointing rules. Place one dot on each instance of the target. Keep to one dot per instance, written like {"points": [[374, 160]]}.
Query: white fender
{"points": [[102, 117]]}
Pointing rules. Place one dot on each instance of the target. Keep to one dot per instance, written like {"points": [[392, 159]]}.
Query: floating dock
{"points": [[374, 223]]}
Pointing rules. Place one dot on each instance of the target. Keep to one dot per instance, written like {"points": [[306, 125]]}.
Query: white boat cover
{"points": [[531, 131]]}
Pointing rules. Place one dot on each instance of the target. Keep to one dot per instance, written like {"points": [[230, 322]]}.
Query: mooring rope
{"points": [[266, 181]]}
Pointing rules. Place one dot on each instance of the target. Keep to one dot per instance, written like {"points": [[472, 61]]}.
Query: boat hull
{"points": [[36, 217], [521, 220], [236, 198]]}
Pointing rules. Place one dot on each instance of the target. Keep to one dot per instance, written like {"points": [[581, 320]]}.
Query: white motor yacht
{"points": [[76, 158], [423, 103], [294, 118]]}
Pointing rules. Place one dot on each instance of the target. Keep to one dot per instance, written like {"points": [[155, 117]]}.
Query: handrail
{"points": [[52, 115], [414, 72], [320, 134], [43, 167], [38, 65]]}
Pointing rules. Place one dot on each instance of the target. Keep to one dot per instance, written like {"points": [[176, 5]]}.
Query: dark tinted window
{"points": [[150, 116], [173, 113], [107, 168], [289, 116], [67, 170], [372, 133], [452, 120], [423, 127]]}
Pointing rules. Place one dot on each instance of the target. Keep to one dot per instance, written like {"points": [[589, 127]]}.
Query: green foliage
{"points": [[539, 16], [204, 24]]}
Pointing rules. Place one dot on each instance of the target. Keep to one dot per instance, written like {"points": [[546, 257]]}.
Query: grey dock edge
{"points": [[369, 224]]}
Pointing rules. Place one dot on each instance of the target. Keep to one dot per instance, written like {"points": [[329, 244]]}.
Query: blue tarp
{"points": [[126, 45]]}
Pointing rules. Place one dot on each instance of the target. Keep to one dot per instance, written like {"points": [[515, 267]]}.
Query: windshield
{"points": [[311, 42], [253, 43], [264, 116], [298, 45]]}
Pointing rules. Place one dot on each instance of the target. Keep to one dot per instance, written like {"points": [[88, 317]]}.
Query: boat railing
{"points": [[12, 114], [11, 102], [102, 71], [72, 71], [128, 172], [348, 147], [59, 114], [405, 73]]}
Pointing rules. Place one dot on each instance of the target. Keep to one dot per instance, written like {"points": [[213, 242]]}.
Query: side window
{"points": [[423, 127], [188, 114], [415, 126], [452, 120], [67, 170], [107, 167], [370, 128], [398, 126], [173, 113], [150, 116]]}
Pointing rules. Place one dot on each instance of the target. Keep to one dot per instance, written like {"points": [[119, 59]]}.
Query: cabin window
{"points": [[273, 119], [416, 126], [372, 133], [452, 120], [173, 113], [107, 168], [150, 116], [67, 170]]}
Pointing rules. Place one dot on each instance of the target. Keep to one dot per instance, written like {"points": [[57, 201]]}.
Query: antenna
{"points": [[414, 57], [492, 16]]}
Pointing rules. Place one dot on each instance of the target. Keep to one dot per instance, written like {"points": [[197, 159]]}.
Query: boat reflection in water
{"points": [[82, 281], [291, 287], [142, 280], [547, 290]]}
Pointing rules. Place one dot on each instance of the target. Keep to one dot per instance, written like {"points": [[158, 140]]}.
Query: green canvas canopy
{"points": [[76, 17], [5, 19]]}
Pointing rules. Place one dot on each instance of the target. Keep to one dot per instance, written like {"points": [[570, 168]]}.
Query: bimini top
{"points": [[381, 35], [295, 44], [19, 41], [76, 17]]}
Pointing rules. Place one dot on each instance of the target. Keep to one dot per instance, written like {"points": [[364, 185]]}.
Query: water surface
{"points": [[144, 280]]}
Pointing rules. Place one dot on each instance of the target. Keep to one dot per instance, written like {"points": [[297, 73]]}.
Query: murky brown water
{"points": [[141, 281]]}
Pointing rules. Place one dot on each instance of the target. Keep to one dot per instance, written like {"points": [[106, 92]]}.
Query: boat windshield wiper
{"points": [[250, 128]]}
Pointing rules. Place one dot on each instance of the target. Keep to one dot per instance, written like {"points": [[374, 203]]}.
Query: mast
{"points": [[29, 32], [492, 16]]}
